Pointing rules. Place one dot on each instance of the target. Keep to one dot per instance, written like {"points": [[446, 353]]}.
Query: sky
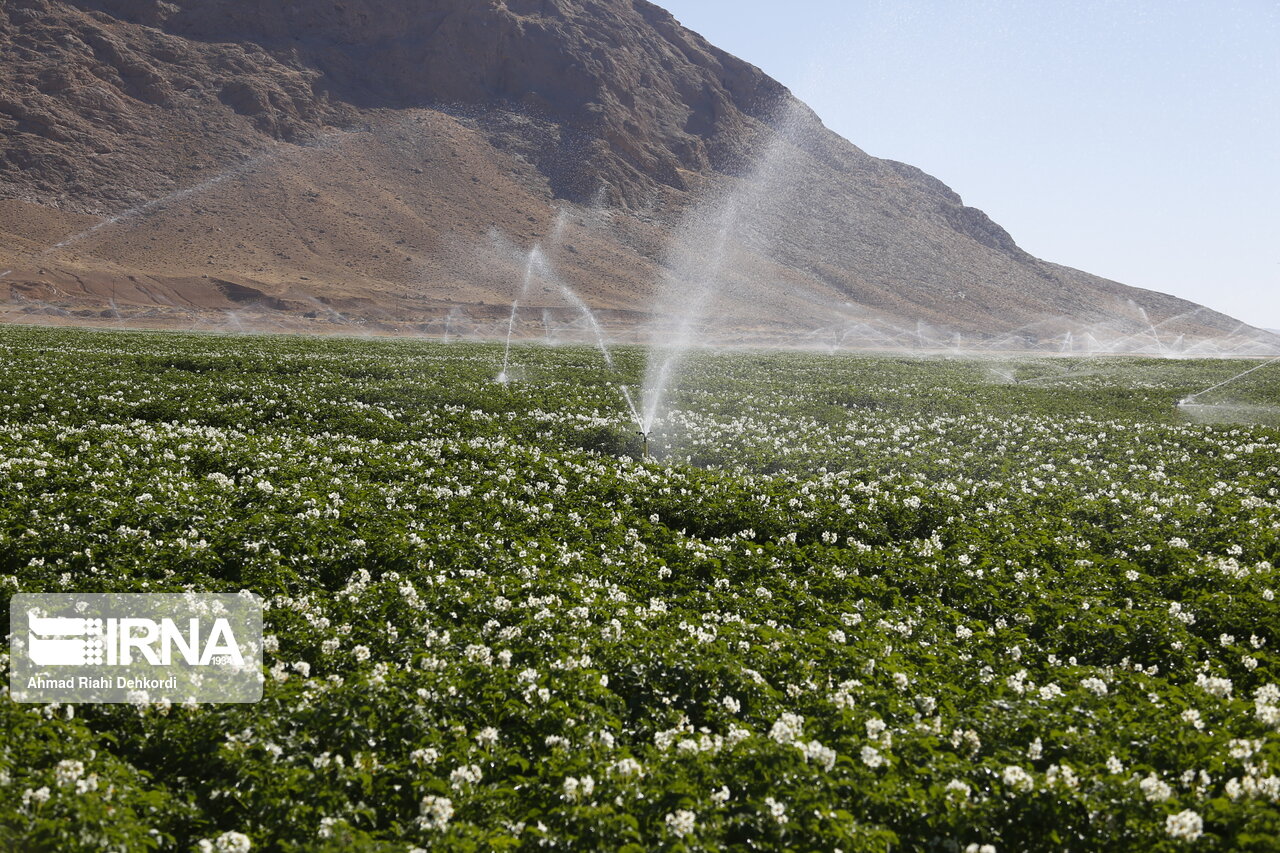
{"points": [[1139, 141]]}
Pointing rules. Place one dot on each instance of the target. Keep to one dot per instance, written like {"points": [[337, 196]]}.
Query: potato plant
{"points": [[857, 603]]}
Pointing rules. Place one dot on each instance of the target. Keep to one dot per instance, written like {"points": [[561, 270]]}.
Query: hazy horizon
{"points": [[1134, 140]]}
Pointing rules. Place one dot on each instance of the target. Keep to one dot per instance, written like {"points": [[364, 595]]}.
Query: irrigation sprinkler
{"points": [[644, 444], [1190, 401]]}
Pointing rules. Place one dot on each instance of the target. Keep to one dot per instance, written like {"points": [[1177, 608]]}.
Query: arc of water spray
{"points": [[538, 258], [1186, 401], [537, 263], [530, 264], [448, 323], [1151, 326], [656, 382], [175, 196], [576, 301]]}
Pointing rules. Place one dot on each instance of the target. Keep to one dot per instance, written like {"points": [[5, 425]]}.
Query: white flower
{"points": [[967, 738], [789, 728], [980, 848], [1266, 700], [816, 752], [360, 653], [1095, 685], [67, 772], [1184, 826], [468, 774], [482, 655], [1017, 779], [1240, 749], [628, 768], [721, 796], [872, 757], [776, 809], [1220, 687], [40, 796], [232, 842], [957, 789], [681, 822], [1114, 766], [1155, 789], [575, 789], [424, 756], [435, 812], [842, 696], [1060, 773]]}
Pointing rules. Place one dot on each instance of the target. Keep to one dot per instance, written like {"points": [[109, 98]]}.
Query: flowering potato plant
{"points": [[851, 603]]}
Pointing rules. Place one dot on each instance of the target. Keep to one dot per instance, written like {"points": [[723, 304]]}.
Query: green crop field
{"points": [[851, 603]]}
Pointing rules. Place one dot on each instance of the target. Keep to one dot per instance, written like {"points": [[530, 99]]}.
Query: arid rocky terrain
{"points": [[386, 164]]}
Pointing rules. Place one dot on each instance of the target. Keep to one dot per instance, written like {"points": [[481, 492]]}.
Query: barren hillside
{"points": [[385, 164]]}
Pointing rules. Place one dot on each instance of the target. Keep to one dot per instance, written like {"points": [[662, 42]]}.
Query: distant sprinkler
{"points": [[644, 444], [1188, 401]]}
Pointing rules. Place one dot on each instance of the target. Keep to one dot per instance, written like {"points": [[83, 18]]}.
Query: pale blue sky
{"points": [[1135, 140]]}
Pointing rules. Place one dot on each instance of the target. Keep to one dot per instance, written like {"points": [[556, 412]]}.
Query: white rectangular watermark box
{"points": [[135, 648]]}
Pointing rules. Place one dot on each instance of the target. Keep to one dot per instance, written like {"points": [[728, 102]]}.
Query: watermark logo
{"points": [[60, 641], [123, 647]]}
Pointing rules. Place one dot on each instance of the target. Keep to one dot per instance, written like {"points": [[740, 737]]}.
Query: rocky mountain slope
{"points": [[389, 164]]}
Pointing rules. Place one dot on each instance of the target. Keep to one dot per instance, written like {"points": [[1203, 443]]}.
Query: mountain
{"points": [[388, 164]]}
